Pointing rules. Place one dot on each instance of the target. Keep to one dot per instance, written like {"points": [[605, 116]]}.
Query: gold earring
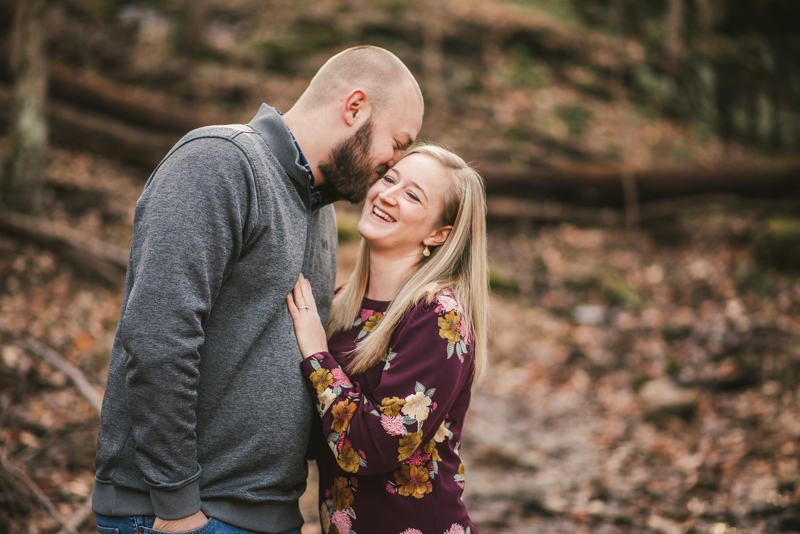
{"points": [[426, 252]]}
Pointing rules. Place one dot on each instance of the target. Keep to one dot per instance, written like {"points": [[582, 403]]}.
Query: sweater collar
{"points": [[269, 124]]}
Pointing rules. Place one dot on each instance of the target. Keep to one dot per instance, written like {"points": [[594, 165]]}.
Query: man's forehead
{"points": [[409, 119]]}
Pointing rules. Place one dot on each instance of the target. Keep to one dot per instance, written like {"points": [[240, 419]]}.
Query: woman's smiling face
{"points": [[403, 208]]}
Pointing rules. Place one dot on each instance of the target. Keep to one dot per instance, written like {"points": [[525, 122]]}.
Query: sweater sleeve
{"points": [[188, 231], [428, 366]]}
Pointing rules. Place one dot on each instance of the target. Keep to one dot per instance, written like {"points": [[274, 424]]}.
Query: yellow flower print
{"points": [[413, 480], [372, 322], [321, 379], [342, 413], [392, 407], [430, 448], [348, 460], [342, 495], [448, 327], [408, 444]]}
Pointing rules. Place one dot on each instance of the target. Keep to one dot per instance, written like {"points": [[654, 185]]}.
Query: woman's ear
{"points": [[438, 237]]}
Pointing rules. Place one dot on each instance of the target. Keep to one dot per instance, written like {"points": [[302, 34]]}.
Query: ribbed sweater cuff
{"points": [[176, 503]]}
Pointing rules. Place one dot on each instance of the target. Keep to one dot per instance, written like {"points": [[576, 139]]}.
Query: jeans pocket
{"points": [[115, 525], [199, 530]]}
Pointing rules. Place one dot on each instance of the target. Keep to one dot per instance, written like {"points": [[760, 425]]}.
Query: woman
{"points": [[405, 343]]}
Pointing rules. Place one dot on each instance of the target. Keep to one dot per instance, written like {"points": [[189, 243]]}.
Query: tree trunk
{"points": [[194, 12], [432, 60], [674, 35], [23, 169], [616, 15]]}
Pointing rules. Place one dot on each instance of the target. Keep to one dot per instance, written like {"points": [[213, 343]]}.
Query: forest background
{"points": [[644, 192]]}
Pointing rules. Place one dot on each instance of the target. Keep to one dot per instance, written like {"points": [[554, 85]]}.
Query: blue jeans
{"points": [[143, 524]]}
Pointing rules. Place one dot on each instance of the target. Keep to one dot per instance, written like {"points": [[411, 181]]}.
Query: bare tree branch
{"points": [[37, 492], [58, 361], [78, 517], [103, 259]]}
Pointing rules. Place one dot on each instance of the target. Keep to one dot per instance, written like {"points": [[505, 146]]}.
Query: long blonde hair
{"points": [[459, 264]]}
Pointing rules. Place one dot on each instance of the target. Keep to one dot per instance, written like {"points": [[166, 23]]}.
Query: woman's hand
{"points": [[307, 325]]}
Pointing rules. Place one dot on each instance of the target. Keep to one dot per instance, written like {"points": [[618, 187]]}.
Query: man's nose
{"points": [[398, 152]]}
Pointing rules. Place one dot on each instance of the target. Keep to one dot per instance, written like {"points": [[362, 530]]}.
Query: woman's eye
{"points": [[388, 178], [413, 196]]}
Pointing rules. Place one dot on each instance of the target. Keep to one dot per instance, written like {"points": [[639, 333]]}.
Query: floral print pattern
{"points": [[370, 319], [453, 327], [413, 480], [321, 378], [396, 423], [336, 511], [342, 414], [392, 407], [459, 476]]}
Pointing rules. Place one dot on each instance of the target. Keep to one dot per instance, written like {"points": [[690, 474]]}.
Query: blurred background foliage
{"points": [[497, 75]]}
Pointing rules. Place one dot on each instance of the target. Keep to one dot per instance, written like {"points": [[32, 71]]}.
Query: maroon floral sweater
{"points": [[395, 430]]}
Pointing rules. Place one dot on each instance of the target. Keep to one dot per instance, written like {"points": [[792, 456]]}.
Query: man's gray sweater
{"points": [[205, 405]]}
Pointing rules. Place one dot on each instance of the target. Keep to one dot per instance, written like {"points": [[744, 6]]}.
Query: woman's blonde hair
{"points": [[459, 264]]}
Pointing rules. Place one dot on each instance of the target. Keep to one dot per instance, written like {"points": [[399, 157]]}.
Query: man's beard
{"points": [[349, 169]]}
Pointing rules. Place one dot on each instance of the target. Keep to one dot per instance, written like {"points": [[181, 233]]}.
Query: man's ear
{"points": [[438, 237], [356, 107]]}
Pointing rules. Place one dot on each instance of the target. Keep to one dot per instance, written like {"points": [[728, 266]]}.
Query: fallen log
{"points": [[603, 186], [130, 104], [134, 105], [549, 211], [108, 262], [100, 135], [590, 184]]}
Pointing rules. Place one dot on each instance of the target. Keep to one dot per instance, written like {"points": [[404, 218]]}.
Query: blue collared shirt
{"points": [[315, 196]]}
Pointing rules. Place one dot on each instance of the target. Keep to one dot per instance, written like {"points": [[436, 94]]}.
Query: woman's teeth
{"points": [[382, 215]]}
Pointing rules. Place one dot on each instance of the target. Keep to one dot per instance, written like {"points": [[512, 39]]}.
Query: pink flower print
{"points": [[463, 331], [341, 378], [455, 528], [411, 531], [446, 303], [390, 488], [366, 314], [393, 425], [418, 458], [342, 521]]}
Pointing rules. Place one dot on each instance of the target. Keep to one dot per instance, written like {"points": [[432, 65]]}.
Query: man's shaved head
{"points": [[357, 116], [375, 70]]}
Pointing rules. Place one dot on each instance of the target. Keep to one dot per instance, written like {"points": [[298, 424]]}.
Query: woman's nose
{"points": [[388, 195]]}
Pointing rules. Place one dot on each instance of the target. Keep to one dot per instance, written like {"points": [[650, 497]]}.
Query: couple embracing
{"points": [[233, 360]]}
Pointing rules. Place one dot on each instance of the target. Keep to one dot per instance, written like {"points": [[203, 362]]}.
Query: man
{"points": [[206, 414]]}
